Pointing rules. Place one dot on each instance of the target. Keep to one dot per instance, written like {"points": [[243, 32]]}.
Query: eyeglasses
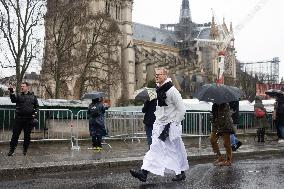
{"points": [[158, 74]]}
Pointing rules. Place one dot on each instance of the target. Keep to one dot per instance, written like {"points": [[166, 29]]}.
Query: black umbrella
{"points": [[145, 94], [274, 93], [219, 94], [93, 95]]}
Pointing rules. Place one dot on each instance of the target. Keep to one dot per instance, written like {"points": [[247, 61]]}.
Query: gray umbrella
{"points": [[218, 93], [93, 95], [274, 93]]}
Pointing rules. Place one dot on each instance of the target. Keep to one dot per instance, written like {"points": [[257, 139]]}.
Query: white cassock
{"points": [[170, 154]]}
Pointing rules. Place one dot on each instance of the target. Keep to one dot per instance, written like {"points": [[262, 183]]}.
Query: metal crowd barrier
{"points": [[119, 124], [57, 124], [247, 126], [54, 124], [125, 124]]}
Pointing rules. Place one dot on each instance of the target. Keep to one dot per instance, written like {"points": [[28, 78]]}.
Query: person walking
{"points": [[222, 125], [279, 118], [235, 142], [26, 112], [260, 119], [97, 130], [167, 150], [149, 109]]}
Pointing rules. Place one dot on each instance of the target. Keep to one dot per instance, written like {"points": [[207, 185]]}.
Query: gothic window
{"points": [[107, 8], [117, 12]]}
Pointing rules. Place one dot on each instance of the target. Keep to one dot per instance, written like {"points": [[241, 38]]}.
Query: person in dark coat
{"points": [[260, 122], [222, 125], [234, 107], [97, 130], [26, 112], [149, 109], [279, 118]]}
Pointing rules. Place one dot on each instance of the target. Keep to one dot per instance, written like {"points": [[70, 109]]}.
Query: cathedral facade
{"points": [[189, 50]]}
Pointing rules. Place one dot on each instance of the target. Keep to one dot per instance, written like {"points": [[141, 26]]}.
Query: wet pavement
{"points": [[261, 172], [49, 157]]}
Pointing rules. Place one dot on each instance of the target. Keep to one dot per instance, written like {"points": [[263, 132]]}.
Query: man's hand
{"points": [[165, 133], [11, 89]]}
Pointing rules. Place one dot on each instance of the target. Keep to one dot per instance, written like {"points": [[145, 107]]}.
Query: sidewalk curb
{"points": [[113, 163]]}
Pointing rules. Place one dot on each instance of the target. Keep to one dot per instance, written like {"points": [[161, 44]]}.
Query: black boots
{"points": [[179, 177], [140, 174], [235, 147], [25, 151], [11, 152], [260, 134]]}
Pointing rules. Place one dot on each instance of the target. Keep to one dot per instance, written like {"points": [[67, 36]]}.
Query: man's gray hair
{"points": [[166, 72]]}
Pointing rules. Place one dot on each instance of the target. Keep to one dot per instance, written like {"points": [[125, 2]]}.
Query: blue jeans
{"points": [[233, 138], [148, 129]]}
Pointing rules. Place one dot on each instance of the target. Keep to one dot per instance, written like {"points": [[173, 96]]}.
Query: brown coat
{"points": [[222, 120]]}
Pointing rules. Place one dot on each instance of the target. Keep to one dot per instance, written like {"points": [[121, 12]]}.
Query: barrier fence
{"points": [[54, 124], [58, 124]]}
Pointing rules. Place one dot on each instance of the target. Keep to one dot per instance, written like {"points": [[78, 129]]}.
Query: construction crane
{"points": [[267, 71], [227, 38]]}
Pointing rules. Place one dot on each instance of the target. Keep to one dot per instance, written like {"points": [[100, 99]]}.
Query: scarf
{"points": [[161, 93]]}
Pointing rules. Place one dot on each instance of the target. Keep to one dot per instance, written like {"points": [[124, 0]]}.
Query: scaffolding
{"points": [[265, 71]]}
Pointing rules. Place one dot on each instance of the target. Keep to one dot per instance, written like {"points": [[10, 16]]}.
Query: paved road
{"points": [[258, 172]]}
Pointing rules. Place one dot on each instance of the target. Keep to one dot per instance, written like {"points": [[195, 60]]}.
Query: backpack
{"points": [[259, 113]]}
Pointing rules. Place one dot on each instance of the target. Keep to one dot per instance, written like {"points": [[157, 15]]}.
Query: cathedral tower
{"points": [[185, 14]]}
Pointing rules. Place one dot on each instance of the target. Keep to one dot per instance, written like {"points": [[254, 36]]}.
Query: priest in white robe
{"points": [[167, 150]]}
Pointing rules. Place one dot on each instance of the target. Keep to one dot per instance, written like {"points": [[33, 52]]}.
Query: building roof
{"points": [[204, 33], [153, 34]]}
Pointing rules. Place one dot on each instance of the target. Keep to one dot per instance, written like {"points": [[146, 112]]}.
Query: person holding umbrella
{"points": [[222, 125], [149, 96], [278, 113], [149, 109], [279, 118], [97, 130], [167, 150]]}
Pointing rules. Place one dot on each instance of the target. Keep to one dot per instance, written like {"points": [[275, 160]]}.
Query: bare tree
{"points": [[20, 22], [62, 21], [99, 65]]}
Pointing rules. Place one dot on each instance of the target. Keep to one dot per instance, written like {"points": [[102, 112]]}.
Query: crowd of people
{"points": [[162, 119]]}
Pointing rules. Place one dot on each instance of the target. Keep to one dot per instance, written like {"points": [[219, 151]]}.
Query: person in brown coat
{"points": [[222, 125]]}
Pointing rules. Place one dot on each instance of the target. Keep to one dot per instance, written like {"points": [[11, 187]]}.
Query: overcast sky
{"points": [[262, 34]]}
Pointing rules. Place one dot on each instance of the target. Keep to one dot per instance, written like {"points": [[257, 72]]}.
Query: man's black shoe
{"points": [[10, 153], [234, 148], [239, 143], [139, 174], [24, 152], [179, 177]]}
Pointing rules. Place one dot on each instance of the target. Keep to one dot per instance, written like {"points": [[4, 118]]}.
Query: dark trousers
{"points": [[148, 129], [21, 124], [260, 134], [97, 140]]}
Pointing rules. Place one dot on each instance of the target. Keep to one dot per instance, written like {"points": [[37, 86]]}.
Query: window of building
{"points": [[107, 7]]}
